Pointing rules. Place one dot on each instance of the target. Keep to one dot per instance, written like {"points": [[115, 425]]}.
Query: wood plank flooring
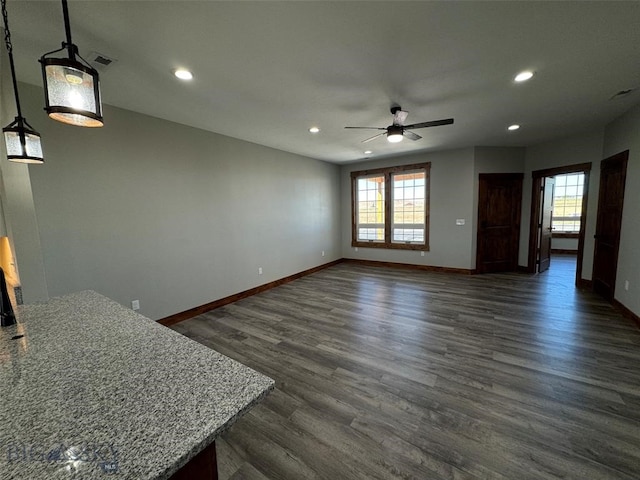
{"points": [[396, 374]]}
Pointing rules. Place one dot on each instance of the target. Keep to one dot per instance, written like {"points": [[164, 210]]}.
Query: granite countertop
{"points": [[94, 389]]}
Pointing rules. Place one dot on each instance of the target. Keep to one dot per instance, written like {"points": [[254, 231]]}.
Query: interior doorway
{"points": [[559, 199]]}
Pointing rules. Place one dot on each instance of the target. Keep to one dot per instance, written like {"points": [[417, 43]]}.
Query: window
{"points": [[567, 203], [391, 207]]}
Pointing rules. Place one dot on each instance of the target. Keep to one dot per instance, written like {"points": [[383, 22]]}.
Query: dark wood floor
{"points": [[396, 374]]}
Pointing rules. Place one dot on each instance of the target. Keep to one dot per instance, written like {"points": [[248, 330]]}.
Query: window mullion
{"points": [[354, 208], [427, 206], [387, 208]]}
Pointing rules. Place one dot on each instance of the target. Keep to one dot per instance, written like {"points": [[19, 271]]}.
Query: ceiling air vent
{"points": [[100, 61], [622, 94]]}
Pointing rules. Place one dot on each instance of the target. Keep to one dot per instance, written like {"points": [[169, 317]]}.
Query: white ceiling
{"points": [[266, 71]]}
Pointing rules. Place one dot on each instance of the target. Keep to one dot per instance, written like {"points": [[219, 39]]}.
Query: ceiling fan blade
{"points": [[399, 117], [411, 135], [374, 137], [369, 128], [435, 123]]}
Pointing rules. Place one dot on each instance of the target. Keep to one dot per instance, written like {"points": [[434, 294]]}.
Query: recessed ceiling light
{"points": [[523, 76], [513, 127], [368, 152], [314, 130], [183, 74]]}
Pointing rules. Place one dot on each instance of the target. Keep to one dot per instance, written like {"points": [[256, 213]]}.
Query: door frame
{"points": [[541, 233], [622, 158], [536, 189]]}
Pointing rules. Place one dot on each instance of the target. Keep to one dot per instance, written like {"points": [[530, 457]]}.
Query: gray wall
{"points": [[18, 210], [174, 216], [624, 134], [451, 197], [493, 160], [454, 195]]}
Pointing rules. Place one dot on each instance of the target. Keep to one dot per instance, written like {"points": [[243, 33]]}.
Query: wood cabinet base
{"points": [[203, 466]]}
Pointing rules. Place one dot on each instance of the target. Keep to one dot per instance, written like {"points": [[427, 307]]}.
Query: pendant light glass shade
{"points": [[23, 142], [71, 86], [72, 93]]}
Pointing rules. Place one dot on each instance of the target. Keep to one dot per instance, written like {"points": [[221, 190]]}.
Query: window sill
{"points": [[565, 235], [391, 246]]}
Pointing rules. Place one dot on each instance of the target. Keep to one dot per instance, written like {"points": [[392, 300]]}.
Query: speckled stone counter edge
{"points": [[80, 309]]}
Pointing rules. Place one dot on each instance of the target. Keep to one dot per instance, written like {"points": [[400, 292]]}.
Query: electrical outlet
{"points": [[356, 249], [422, 254], [259, 270], [460, 221], [626, 285], [135, 304], [323, 253]]}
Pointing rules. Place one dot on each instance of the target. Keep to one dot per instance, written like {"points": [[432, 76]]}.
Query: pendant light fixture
{"points": [[71, 86], [22, 141]]}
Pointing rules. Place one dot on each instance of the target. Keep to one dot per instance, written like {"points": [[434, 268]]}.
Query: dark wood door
{"points": [[499, 201], [613, 173], [544, 227]]}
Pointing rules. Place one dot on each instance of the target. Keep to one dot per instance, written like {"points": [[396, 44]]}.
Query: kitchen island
{"points": [[90, 389]]}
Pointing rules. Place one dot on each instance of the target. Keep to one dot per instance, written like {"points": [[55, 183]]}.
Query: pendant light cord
{"points": [[9, 45], [71, 48]]}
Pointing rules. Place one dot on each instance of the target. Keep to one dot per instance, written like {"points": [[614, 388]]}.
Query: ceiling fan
{"points": [[398, 130]]}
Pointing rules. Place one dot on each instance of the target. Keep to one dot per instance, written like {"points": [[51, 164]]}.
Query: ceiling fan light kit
{"points": [[394, 134], [397, 130]]}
